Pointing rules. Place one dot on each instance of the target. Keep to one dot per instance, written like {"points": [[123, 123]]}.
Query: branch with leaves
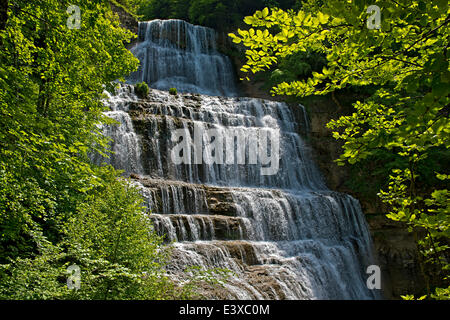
{"points": [[406, 61]]}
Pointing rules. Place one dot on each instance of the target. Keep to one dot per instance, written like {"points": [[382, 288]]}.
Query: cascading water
{"points": [[124, 142], [179, 55], [285, 235]]}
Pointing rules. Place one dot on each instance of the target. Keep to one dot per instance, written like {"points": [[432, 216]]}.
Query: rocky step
{"points": [[183, 227], [150, 125], [233, 254], [147, 122], [250, 278], [238, 136], [228, 111], [178, 197], [262, 214]]}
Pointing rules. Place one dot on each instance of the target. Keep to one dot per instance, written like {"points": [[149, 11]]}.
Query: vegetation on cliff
{"points": [[405, 121]]}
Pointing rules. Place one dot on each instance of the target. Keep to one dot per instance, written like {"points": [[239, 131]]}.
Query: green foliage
{"points": [[406, 117], [173, 91], [111, 240], [441, 294], [39, 277], [56, 207], [297, 66], [141, 89], [411, 297], [50, 90], [131, 6], [218, 14]]}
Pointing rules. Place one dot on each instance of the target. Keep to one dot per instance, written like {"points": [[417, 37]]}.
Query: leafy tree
{"points": [[56, 207], [218, 14], [112, 242], [50, 90], [406, 59]]}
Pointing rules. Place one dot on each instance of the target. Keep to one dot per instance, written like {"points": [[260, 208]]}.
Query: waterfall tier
{"points": [[176, 54]]}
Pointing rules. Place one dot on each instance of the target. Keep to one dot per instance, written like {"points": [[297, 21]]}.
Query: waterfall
{"points": [[285, 235], [176, 54]]}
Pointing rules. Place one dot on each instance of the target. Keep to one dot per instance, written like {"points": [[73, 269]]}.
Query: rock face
{"points": [[394, 245], [397, 255]]}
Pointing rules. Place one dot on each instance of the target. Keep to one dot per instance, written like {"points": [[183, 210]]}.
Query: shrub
{"points": [[112, 240], [173, 91], [141, 89]]}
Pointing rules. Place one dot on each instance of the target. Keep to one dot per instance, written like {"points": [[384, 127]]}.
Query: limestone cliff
{"points": [[395, 246]]}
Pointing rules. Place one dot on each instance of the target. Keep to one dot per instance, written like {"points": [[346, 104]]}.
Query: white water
{"points": [[124, 144], [285, 236], [179, 55]]}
